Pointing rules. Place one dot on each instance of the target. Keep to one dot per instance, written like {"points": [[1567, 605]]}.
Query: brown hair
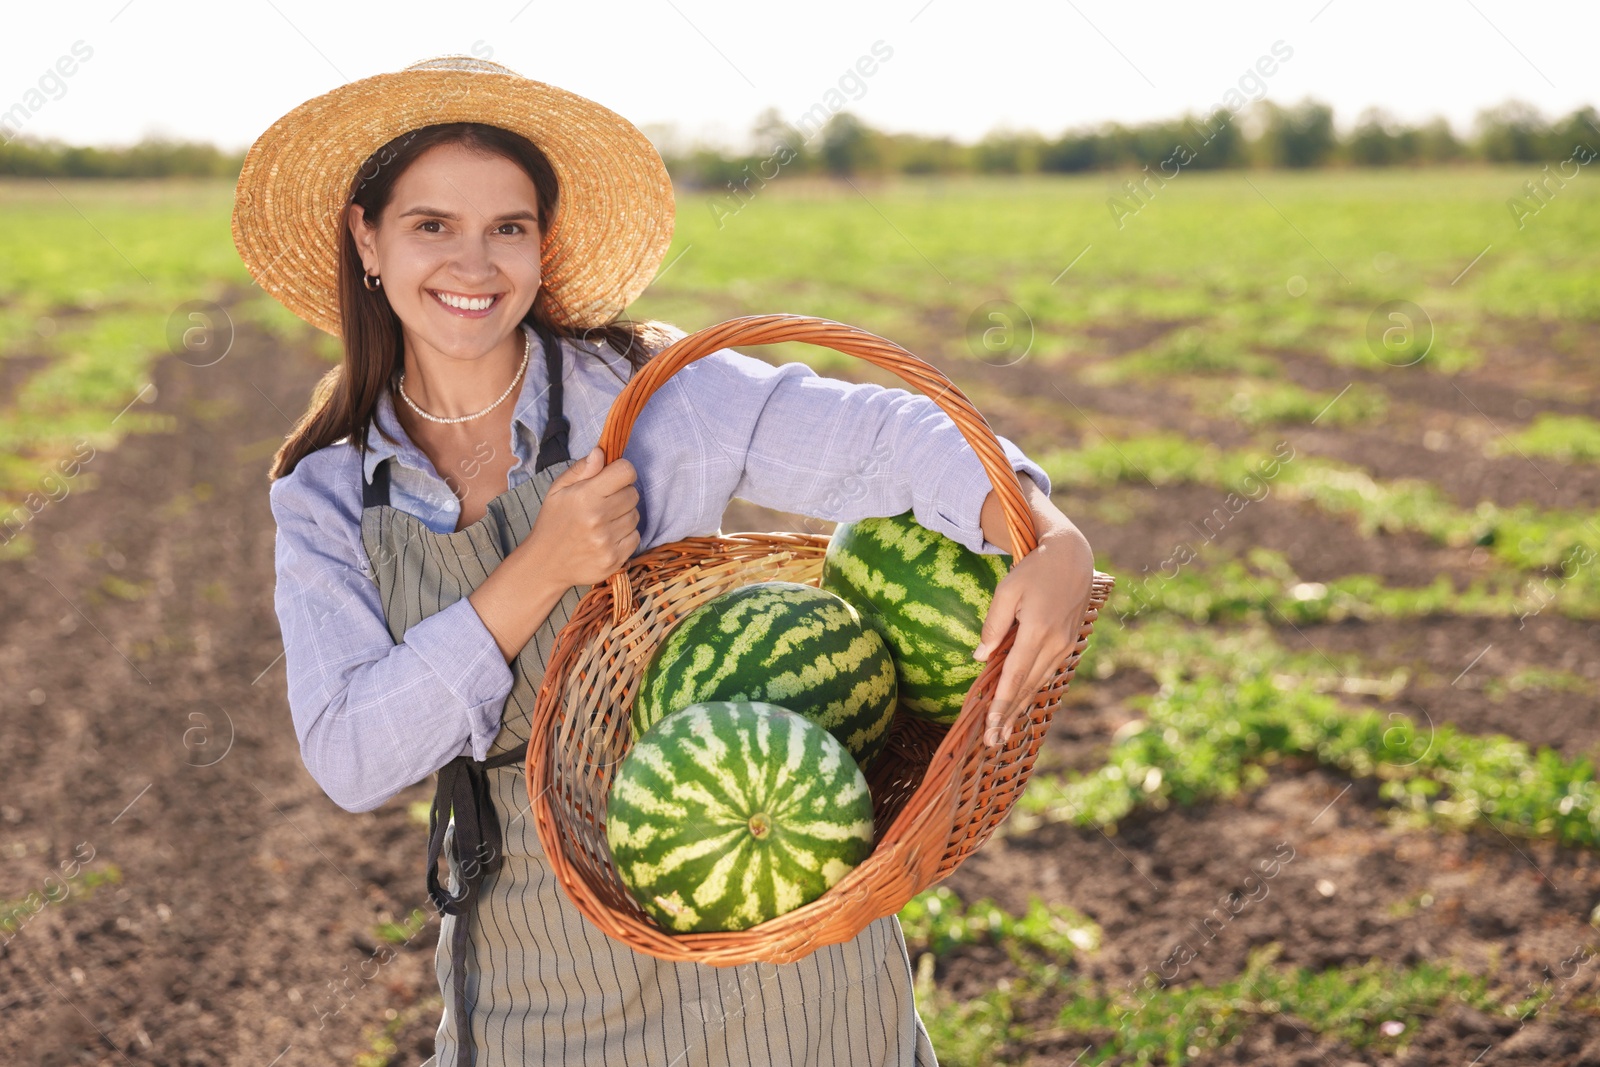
{"points": [[344, 402]]}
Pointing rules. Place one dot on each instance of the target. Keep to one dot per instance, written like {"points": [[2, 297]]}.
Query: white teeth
{"points": [[465, 303]]}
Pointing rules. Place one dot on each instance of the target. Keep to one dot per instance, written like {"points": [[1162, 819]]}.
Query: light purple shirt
{"points": [[374, 716]]}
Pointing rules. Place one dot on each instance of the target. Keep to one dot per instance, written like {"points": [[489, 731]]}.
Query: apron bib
{"points": [[525, 978]]}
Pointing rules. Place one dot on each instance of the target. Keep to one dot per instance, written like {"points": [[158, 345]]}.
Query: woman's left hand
{"points": [[1046, 593]]}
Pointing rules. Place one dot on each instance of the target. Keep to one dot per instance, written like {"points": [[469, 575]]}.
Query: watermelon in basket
{"points": [[926, 595], [937, 791], [728, 813], [784, 643]]}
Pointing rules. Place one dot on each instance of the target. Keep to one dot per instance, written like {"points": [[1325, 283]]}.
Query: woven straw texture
{"points": [[612, 225], [938, 791]]}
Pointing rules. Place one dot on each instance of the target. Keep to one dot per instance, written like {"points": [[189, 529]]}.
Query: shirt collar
{"points": [[527, 418]]}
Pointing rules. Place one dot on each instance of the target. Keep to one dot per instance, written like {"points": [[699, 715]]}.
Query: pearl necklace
{"points": [[527, 348]]}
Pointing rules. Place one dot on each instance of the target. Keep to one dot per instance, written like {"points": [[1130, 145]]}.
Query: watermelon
{"points": [[729, 813], [926, 595], [782, 643]]}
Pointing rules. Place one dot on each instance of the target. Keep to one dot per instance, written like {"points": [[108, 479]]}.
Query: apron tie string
{"points": [[463, 795]]}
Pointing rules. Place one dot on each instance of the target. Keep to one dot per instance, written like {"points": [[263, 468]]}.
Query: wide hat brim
{"points": [[613, 220]]}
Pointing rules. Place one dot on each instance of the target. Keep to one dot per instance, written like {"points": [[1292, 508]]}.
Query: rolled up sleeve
{"points": [[372, 715], [786, 437]]}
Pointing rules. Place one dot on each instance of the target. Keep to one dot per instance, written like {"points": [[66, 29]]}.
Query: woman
{"points": [[473, 237]]}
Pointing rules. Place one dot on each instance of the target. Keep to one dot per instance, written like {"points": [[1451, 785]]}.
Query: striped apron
{"points": [[525, 978]]}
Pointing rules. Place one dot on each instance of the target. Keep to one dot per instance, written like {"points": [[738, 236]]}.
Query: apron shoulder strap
{"points": [[553, 442], [376, 492]]}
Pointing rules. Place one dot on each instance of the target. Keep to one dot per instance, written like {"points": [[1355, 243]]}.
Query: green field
{"points": [[1272, 635]]}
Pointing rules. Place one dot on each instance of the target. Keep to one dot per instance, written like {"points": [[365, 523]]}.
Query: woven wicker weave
{"points": [[938, 791]]}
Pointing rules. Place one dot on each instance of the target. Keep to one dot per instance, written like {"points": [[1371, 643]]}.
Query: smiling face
{"points": [[456, 249]]}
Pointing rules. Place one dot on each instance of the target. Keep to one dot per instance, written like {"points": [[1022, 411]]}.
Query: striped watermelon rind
{"points": [[784, 643], [728, 813], [926, 595]]}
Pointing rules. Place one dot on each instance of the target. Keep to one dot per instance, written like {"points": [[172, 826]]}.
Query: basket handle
{"points": [[772, 329]]}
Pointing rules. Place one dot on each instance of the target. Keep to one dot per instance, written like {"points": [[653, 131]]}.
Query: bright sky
{"points": [[225, 71]]}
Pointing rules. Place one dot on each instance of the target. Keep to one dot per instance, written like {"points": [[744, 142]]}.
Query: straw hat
{"points": [[612, 224]]}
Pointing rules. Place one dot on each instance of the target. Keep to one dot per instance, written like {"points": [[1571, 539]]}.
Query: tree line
{"points": [[1263, 135]]}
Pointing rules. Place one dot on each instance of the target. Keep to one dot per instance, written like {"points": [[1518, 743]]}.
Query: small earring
{"points": [[371, 281]]}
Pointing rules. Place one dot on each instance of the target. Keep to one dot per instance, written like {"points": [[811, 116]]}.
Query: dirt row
{"points": [[145, 731]]}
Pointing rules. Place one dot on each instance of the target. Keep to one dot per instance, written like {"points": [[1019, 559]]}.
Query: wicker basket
{"points": [[938, 791]]}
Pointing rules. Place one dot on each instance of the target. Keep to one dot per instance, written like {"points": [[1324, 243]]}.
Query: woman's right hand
{"points": [[588, 525]]}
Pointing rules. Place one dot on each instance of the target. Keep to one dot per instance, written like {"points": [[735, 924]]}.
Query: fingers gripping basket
{"points": [[938, 791]]}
